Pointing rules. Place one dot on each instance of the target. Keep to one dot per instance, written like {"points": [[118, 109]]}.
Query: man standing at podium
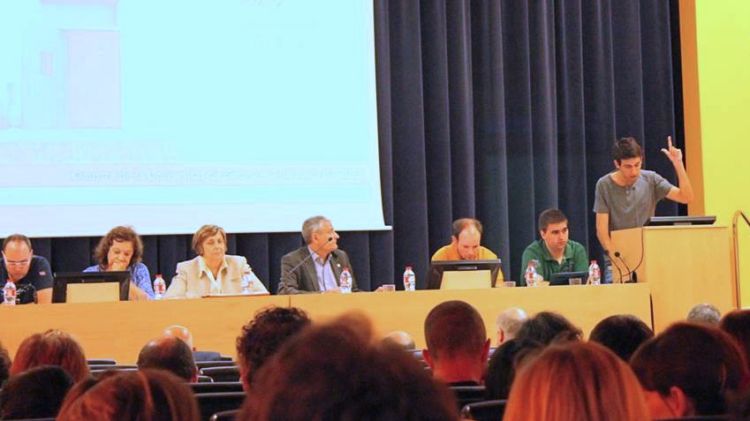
{"points": [[627, 197]]}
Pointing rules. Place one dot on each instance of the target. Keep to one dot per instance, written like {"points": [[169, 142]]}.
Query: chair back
{"points": [[207, 364], [217, 387], [484, 410], [225, 415], [222, 374], [212, 403], [468, 394]]}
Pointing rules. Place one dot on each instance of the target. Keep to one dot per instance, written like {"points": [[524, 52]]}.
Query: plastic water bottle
{"points": [[9, 293], [159, 287], [530, 275], [345, 281], [246, 281], [410, 279], [595, 274]]}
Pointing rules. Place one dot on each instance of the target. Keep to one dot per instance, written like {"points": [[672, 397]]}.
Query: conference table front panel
{"points": [[118, 330]]}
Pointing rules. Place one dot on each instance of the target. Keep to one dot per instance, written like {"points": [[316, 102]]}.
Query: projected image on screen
{"points": [[166, 115]]}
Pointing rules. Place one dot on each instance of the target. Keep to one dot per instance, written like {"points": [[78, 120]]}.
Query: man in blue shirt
{"points": [[23, 268]]}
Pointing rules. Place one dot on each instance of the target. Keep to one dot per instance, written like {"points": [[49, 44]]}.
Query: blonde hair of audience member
{"points": [[52, 347], [341, 371], [575, 381], [145, 395]]}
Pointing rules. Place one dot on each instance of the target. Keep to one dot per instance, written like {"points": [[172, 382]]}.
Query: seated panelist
{"points": [[20, 265], [213, 271], [555, 252], [317, 266], [465, 244], [121, 250]]}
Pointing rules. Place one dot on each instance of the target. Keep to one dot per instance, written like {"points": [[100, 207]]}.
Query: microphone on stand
{"points": [[633, 277], [611, 262], [316, 250]]}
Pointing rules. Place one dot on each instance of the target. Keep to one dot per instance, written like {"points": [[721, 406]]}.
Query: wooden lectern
{"points": [[683, 266]]}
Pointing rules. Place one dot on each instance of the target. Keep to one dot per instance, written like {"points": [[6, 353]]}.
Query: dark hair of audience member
{"points": [[171, 354], [737, 325], [265, 334], [454, 328], [622, 334], [146, 395], [53, 347], [341, 371], [5, 363], [701, 360], [547, 327], [575, 381], [501, 370], [36, 393]]}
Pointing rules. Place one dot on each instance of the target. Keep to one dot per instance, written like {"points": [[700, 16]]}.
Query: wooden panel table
{"points": [[583, 305], [118, 330]]}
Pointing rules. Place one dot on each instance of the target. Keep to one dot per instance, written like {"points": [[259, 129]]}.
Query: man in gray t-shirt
{"points": [[627, 197]]}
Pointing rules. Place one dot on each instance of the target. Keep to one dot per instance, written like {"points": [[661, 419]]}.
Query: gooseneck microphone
{"points": [[617, 254], [315, 250], [632, 277]]}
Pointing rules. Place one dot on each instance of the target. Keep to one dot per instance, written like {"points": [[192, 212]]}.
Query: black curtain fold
{"points": [[496, 109]]}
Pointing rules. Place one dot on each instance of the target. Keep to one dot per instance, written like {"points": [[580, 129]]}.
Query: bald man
{"points": [[182, 333], [465, 239], [170, 354]]}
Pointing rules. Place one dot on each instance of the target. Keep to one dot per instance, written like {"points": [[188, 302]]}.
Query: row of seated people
{"points": [[315, 267], [292, 369]]}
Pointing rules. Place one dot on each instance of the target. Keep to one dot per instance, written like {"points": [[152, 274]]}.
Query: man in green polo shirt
{"points": [[554, 252]]}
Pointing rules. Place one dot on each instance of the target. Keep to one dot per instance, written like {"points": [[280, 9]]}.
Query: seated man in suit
{"points": [[317, 266]]}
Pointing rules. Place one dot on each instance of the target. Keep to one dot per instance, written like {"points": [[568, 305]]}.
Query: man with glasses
{"points": [[23, 268]]}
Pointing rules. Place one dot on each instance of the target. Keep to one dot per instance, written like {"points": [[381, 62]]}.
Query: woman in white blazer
{"points": [[213, 272]]}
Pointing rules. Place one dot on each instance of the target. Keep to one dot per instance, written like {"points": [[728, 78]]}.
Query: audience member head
{"points": [[170, 354], [4, 365], [575, 381], [264, 335], [704, 313], [622, 334], [402, 339], [17, 254], [688, 369], [457, 344], [466, 237], [120, 249], [52, 347], [341, 371], [36, 393], [182, 333], [508, 323], [501, 369], [131, 395], [737, 325], [546, 327]]}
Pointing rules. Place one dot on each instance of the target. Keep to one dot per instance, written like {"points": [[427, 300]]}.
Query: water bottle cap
{"points": [[408, 267]]}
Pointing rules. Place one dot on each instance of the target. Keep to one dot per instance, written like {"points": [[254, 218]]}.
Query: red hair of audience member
{"points": [[53, 347], [340, 371], [737, 325], [688, 370], [575, 381], [144, 395]]}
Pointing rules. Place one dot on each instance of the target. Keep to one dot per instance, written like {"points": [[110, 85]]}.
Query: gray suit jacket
{"points": [[304, 279]]}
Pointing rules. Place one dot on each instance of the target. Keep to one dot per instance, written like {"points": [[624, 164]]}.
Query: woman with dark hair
{"points": [[737, 325], [689, 369], [547, 327], [122, 250], [36, 393], [53, 347], [132, 395]]}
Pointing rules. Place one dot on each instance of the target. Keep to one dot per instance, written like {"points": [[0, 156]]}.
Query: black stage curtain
{"points": [[491, 109]]}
